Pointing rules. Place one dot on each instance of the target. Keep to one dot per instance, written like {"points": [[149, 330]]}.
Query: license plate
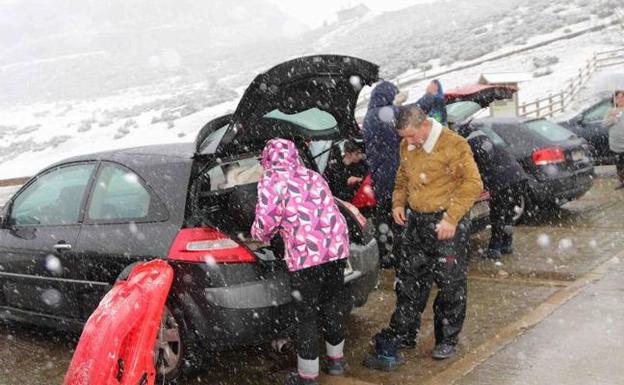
{"points": [[480, 209], [578, 155]]}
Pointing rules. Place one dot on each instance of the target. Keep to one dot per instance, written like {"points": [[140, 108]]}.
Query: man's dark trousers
{"points": [[426, 260], [502, 211]]}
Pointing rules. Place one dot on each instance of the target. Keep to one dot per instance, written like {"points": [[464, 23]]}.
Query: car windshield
{"points": [[460, 111], [312, 119], [549, 130]]}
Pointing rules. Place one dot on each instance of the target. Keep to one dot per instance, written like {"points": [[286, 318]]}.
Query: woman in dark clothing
{"points": [[382, 155], [505, 179]]}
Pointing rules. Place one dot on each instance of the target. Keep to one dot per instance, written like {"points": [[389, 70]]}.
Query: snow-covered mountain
{"points": [[67, 93], [78, 49]]}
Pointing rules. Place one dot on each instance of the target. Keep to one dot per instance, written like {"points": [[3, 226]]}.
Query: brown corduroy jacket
{"points": [[447, 179]]}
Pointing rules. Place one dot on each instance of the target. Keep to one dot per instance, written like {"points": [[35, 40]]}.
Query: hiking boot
{"points": [[621, 186], [443, 351], [382, 363], [336, 366], [296, 379]]}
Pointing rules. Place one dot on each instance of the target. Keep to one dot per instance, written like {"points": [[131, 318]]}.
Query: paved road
{"points": [[579, 344]]}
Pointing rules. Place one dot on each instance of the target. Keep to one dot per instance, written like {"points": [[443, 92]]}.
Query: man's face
{"points": [[619, 99], [415, 135], [432, 88]]}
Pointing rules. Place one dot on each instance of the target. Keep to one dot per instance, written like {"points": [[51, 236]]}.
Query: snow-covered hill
{"points": [[425, 37]]}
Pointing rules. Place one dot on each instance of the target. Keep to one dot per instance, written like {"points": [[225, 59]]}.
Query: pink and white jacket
{"points": [[296, 202]]}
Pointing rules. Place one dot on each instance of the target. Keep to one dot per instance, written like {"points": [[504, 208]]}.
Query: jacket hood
{"points": [[280, 153], [383, 95]]}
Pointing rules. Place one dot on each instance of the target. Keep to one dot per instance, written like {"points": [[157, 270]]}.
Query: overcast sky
{"points": [[313, 13]]}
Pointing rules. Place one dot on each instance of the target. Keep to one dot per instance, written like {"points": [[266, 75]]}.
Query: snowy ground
{"points": [[34, 136], [571, 54]]}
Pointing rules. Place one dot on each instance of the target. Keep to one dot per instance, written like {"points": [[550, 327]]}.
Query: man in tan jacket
{"points": [[436, 185]]}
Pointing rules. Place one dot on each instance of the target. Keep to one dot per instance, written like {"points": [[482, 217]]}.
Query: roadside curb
{"points": [[508, 334]]}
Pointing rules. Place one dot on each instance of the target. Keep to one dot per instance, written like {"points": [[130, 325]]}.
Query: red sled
{"points": [[117, 342]]}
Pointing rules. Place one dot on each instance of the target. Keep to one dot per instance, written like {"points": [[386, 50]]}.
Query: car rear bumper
{"points": [[253, 313], [562, 190]]}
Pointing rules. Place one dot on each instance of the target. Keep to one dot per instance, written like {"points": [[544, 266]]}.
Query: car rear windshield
{"points": [[460, 111], [549, 130], [312, 119]]}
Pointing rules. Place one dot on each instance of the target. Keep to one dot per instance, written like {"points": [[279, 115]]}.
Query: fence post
{"points": [[537, 109], [561, 95], [550, 104]]}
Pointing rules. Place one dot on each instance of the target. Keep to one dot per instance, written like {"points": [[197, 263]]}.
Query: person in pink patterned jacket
{"points": [[296, 203]]}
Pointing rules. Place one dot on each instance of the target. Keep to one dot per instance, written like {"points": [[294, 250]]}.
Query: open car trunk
{"points": [[310, 97], [224, 195]]}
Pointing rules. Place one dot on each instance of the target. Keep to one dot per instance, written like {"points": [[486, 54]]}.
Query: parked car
{"points": [[588, 125], [79, 225], [558, 163]]}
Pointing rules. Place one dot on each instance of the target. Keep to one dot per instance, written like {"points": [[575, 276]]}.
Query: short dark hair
{"points": [[352, 146], [410, 115]]}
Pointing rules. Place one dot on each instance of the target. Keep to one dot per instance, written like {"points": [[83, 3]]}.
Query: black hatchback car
{"points": [[558, 163], [78, 226]]}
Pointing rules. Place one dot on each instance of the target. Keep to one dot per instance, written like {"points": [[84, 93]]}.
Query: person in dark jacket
{"points": [[344, 177], [432, 102], [382, 155], [505, 180]]}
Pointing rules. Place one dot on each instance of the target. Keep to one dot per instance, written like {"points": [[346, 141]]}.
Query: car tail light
{"points": [[548, 155], [208, 245]]}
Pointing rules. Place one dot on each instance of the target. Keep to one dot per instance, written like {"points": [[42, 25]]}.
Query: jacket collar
{"points": [[434, 135]]}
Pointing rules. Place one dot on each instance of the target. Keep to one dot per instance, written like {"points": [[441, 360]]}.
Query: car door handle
{"points": [[62, 246]]}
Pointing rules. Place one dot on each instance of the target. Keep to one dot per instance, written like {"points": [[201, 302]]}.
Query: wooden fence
{"points": [[555, 103]]}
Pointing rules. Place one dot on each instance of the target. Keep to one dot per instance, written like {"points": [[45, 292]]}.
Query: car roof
{"points": [[170, 150], [504, 120]]}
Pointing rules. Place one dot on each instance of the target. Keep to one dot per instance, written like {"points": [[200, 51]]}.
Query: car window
{"points": [[494, 137], [549, 130], [54, 198], [598, 112], [460, 111], [312, 119], [235, 173], [119, 195], [212, 141], [320, 152]]}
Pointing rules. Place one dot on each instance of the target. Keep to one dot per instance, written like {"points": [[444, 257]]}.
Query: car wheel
{"points": [[174, 350], [168, 348]]}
